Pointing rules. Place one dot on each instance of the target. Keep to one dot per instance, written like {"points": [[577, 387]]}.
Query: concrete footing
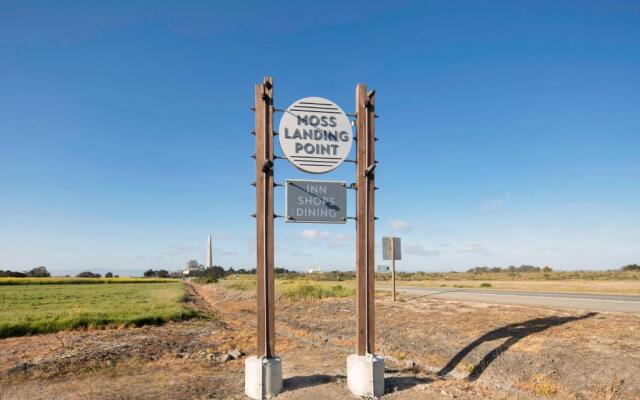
{"points": [[262, 377], [365, 375]]}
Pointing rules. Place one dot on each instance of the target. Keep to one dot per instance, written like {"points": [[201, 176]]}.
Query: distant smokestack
{"points": [[209, 255]]}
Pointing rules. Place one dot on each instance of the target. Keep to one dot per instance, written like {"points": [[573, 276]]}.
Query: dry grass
{"points": [[541, 385], [307, 291], [613, 275], [607, 282], [571, 286]]}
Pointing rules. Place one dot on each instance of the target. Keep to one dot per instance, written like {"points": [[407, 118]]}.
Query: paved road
{"points": [[579, 301]]}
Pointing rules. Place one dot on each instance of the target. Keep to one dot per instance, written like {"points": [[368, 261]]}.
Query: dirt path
{"points": [[434, 348]]}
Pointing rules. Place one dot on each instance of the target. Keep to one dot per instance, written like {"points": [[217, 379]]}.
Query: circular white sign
{"points": [[315, 135]]}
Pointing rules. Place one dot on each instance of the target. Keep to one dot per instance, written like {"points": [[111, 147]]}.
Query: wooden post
{"points": [[264, 218], [365, 238], [393, 266]]}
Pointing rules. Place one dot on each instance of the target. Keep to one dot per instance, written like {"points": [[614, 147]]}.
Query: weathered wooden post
{"points": [[393, 269], [263, 372], [365, 370]]}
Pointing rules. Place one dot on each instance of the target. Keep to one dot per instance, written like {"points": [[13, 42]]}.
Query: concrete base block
{"points": [[365, 375], [262, 377]]}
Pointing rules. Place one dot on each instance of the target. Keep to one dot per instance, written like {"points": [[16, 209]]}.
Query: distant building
{"points": [[189, 270], [209, 254], [192, 266]]}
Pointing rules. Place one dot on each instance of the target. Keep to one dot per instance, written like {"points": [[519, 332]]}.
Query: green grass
{"points": [[307, 291], [78, 281], [31, 309]]}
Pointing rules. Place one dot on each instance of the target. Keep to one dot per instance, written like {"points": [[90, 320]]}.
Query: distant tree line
{"points": [[88, 274], [211, 272], [38, 272], [631, 267], [511, 268], [41, 272], [161, 273]]}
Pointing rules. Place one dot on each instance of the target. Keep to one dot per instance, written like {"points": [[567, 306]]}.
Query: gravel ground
{"points": [[434, 349]]}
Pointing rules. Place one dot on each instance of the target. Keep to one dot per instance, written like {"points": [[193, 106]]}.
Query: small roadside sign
{"points": [[391, 251], [391, 245], [383, 269]]}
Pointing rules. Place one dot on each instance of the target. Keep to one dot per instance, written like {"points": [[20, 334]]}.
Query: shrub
{"points": [[161, 273], [242, 286], [485, 285], [309, 292], [39, 272], [12, 274], [88, 274]]}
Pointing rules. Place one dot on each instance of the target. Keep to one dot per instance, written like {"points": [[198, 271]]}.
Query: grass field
{"points": [[29, 309], [296, 289], [78, 281]]}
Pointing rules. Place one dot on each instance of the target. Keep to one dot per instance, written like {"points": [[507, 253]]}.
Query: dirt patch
{"points": [[434, 349]]}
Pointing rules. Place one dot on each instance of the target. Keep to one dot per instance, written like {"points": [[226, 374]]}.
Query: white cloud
{"points": [[419, 250], [314, 234], [494, 203], [474, 249], [309, 233], [400, 225], [340, 240], [330, 240]]}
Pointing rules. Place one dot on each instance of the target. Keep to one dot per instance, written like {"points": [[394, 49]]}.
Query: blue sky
{"points": [[509, 130]]}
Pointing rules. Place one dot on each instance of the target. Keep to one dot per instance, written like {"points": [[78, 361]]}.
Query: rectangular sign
{"points": [[323, 202], [383, 269], [387, 244]]}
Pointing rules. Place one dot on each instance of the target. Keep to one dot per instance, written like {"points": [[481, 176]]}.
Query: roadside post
{"points": [[391, 250], [316, 136]]}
